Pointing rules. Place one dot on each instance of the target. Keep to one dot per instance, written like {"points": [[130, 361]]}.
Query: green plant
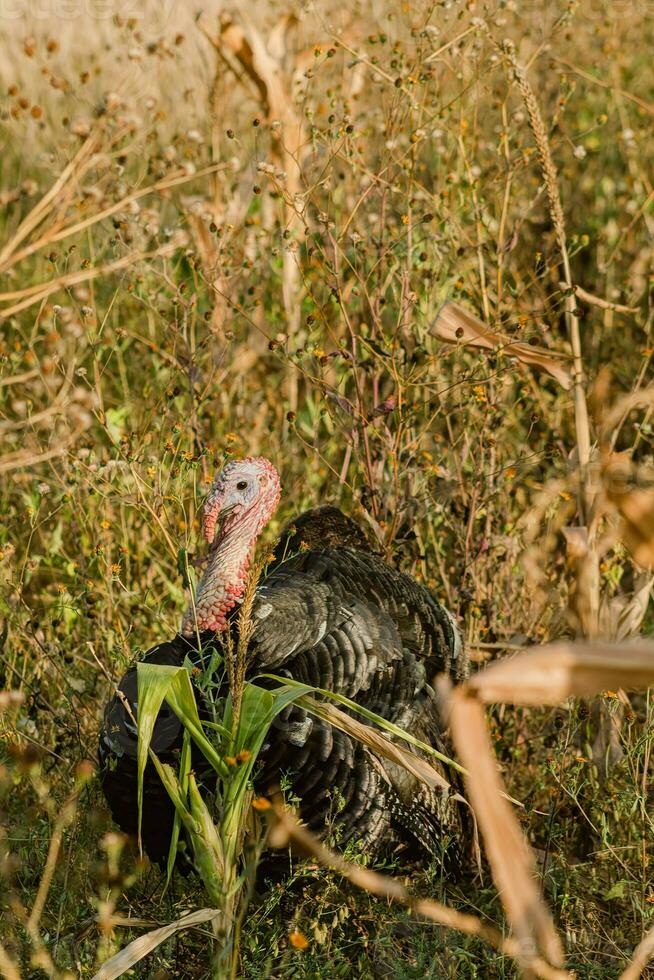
{"points": [[217, 829]]}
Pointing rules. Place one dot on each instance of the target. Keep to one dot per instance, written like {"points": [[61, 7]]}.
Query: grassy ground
{"points": [[310, 206]]}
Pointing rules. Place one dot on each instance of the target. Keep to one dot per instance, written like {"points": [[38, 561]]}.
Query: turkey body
{"points": [[338, 618]]}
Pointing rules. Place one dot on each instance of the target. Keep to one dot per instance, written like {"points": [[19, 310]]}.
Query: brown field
{"points": [[232, 231]]}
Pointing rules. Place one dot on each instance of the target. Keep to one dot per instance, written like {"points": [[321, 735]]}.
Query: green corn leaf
{"points": [[259, 707], [207, 845], [369, 715], [172, 785], [181, 698], [194, 815], [174, 684], [157, 682], [216, 727], [184, 770], [152, 687]]}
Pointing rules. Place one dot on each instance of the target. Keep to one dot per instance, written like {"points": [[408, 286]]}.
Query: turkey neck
{"points": [[225, 578]]}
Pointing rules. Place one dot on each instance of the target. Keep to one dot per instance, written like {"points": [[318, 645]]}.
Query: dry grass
{"points": [[231, 235]]}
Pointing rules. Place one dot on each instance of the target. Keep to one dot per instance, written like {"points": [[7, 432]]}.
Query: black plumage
{"points": [[319, 528], [338, 617]]}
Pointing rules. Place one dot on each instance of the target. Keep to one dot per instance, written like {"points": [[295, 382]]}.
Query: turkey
{"points": [[331, 613]]}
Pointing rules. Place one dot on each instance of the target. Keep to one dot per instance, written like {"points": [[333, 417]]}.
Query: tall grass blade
{"points": [[388, 726], [138, 948], [379, 743]]}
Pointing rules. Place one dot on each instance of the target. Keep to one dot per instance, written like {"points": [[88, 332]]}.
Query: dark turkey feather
{"points": [[338, 617], [322, 527]]}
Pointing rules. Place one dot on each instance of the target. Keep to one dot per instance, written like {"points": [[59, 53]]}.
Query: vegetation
{"points": [[226, 237]]}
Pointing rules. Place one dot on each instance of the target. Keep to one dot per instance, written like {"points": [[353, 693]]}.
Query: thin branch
{"points": [[286, 829]]}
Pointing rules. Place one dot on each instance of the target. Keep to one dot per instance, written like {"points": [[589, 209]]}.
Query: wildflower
{"points": [[80, 127], [84, 770], [43, 488], [261, 803], [244, 755], [298, 940], [230, 760]]}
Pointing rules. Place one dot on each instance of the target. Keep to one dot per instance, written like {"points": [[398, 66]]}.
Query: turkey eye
{"points": [[241, 485]]}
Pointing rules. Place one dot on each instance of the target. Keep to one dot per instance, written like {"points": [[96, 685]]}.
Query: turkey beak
{"points": [[214, 516]]}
